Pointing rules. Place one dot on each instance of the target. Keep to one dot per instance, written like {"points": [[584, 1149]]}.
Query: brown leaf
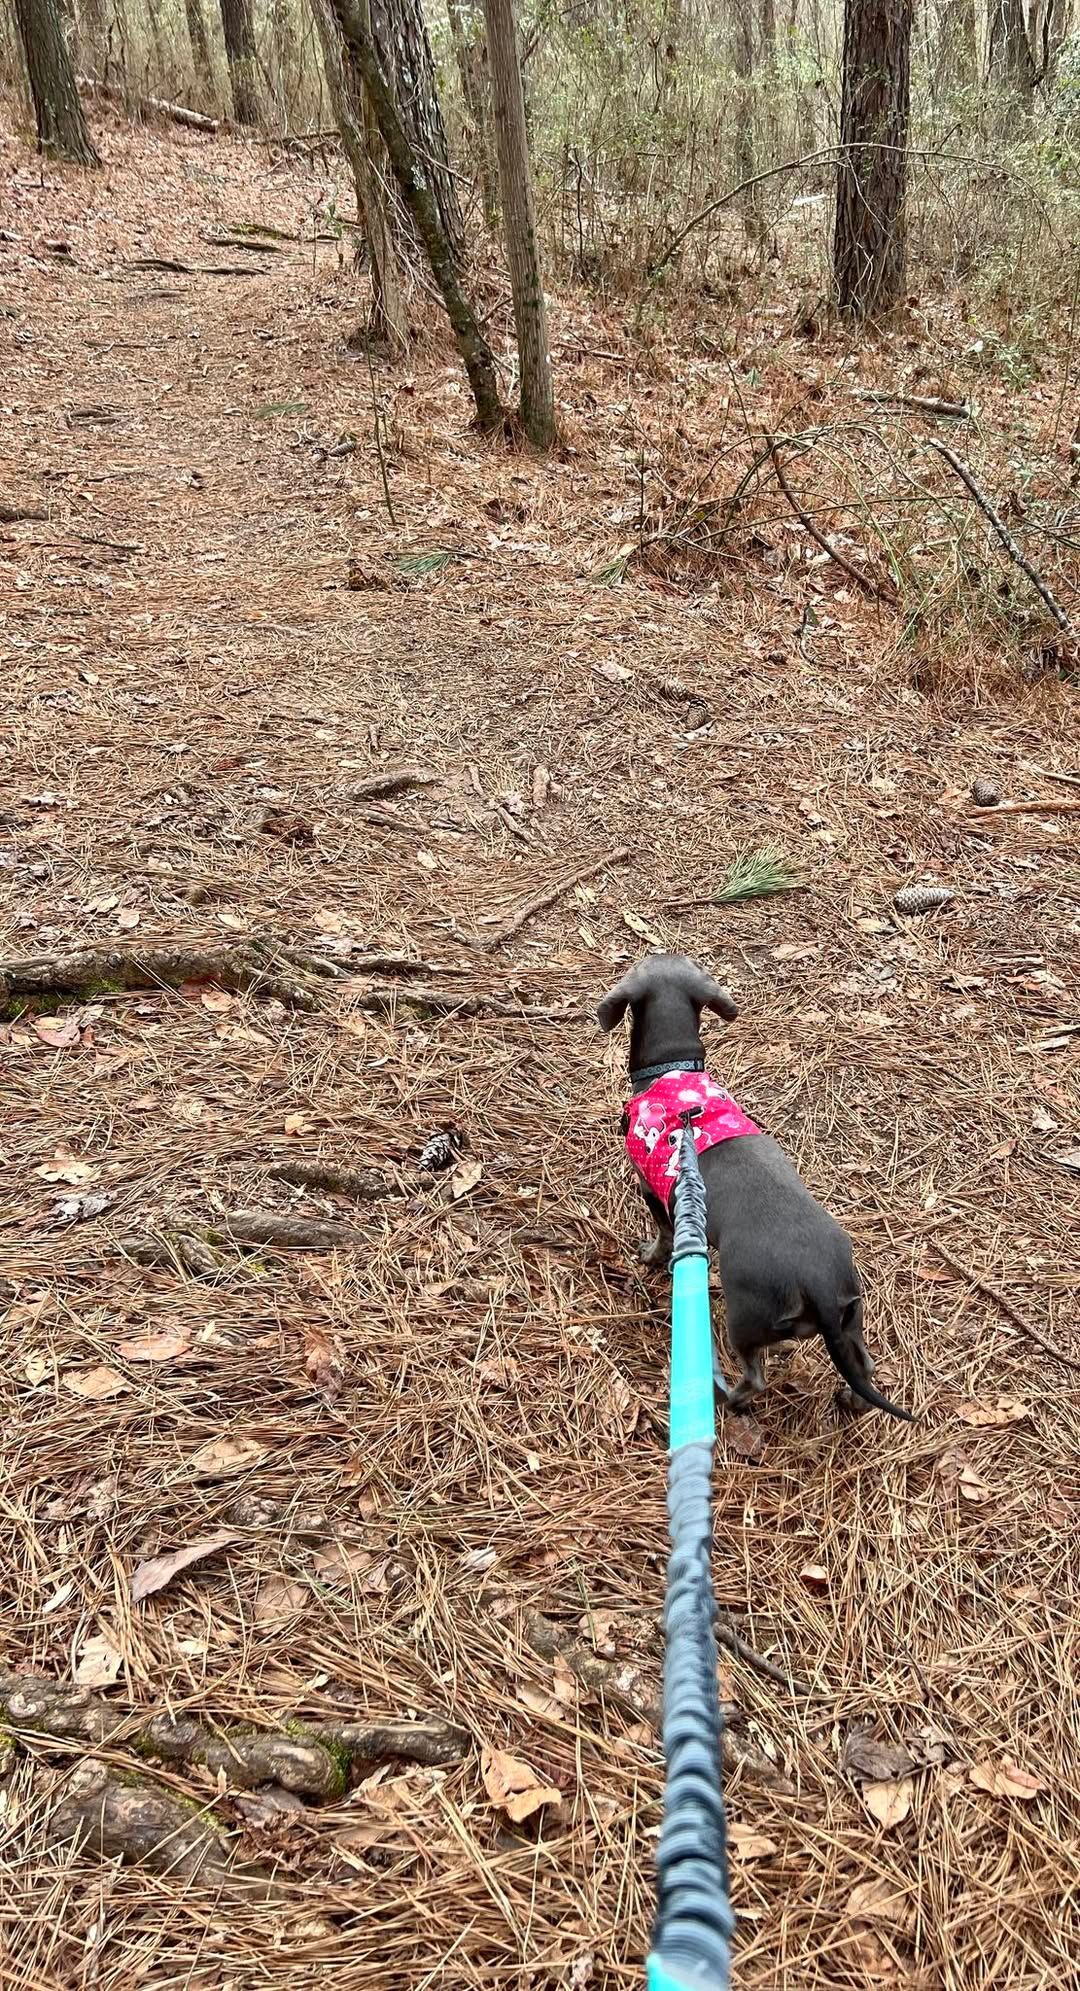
{"points": [[59, 1033], [746, 1844], [161, 1347], [641, 927], [889, 1803], [1003, 1410], [220, 1456], [279, 1599], [98, 1663], [217, 1001], [65, 1167], [324, 1359], [883, 1901], [971, 1487], [97, 1384], [864, 1756], [513, 1786], [127, 919], [745, 1438], [814, 1575], [1006, 1779], [465, 1178], [297, 1124], [153, 1575], [541, 784], [345, 1563]]}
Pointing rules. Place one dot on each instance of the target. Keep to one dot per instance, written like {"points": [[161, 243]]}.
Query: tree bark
{"points": [[200, 44], [365, 153], [869, 242], [239, 31], [400, 38], [1009, 57], [421, 205], [470, 55], [742, 27], [519, 211], [61, 125]]}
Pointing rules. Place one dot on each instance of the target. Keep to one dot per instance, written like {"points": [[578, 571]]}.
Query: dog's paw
{"points": [[655, 1252]]}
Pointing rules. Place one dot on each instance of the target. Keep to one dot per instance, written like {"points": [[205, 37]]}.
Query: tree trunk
{"points": [[200, 44], [61, 126], [400, 37], [365, 153], [870, 243], [522, 247], [470, 55], [420, 202], [742, 49], [239, 31], [1009, 57]]}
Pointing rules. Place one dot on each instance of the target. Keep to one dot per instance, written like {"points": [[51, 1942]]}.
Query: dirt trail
{"points": [[194, 693]]}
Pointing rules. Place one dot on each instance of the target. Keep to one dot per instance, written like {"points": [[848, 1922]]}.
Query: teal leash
{"points": [[695, 1925]]}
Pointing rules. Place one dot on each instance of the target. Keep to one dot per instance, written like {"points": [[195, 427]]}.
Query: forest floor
{"points": [[401, 1450]]}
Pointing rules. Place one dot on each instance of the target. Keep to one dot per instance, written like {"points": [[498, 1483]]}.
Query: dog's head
{"points": [[665, 994]]}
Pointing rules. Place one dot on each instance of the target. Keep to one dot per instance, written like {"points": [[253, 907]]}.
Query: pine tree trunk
{"points": [[365, 153], [200, 44], [522, 247], [470, 55], [743, 57], [400, 37], [420, 202], [1009, 57], [61, 126], [869, 243], [239, 31]]}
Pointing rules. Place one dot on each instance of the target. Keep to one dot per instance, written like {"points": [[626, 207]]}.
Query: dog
{"points": [[786, 1266]]}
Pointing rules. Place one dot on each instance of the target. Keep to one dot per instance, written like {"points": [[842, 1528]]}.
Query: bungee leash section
{"points": [[692, 1935]]}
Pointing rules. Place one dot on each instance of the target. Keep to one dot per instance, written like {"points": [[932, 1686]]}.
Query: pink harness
{"points": [[652, 1123]]}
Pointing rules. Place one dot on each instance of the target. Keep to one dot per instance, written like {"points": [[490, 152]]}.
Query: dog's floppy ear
{"points": [[710, 995], [611, 1008]]}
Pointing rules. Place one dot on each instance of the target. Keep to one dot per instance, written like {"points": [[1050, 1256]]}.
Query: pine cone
{"points": [[442, 1150], [915, 899], [986, 793]]}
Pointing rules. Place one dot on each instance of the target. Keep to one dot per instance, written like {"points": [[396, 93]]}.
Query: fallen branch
{"points": [[90, 972], [1049, 806], [380, 1001], [141, 1824], [543, 900], [1000, 1299], [286, 1233], [365, 1185], [920, 404], [11, 513], [174, 267], [1005, 536], [179, 113], [877, 590]]}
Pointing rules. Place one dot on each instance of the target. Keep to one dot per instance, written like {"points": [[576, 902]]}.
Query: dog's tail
{"points": [[832, 1334]]}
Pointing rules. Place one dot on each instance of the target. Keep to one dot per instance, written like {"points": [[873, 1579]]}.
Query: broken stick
{"points": [[1005, 536], [543, 900], [1001, 1300]]}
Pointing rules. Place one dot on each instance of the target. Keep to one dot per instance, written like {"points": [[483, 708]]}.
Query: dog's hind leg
{"points": [[656, 1251]]}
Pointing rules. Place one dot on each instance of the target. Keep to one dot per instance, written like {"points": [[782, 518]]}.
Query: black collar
{"points": [[641, 1080]]}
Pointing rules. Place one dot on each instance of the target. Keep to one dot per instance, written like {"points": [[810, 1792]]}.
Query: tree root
{"points": [[622, 1682], [254, 966], [543, 900], [364, 1185], [139, 1821], [288, 1233]]}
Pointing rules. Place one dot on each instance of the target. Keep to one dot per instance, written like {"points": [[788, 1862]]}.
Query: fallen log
{"points": [[179, 113]]}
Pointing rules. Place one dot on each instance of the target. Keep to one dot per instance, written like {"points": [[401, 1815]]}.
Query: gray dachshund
{"points": [[786, 1266]]}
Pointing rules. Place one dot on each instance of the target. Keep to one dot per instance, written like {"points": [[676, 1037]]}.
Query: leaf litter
{"points": [[538, 1267]]}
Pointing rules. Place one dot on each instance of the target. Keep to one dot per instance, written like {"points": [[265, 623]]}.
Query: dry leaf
{"points": [[881, 1901], [971, 1487], [864, 1756], [513, 1786], [1003, 1410], [1070, 1160], [220, 1456], [745, 1438], [541, 785], [59, 1033], [161, 1347], [889, 1803], [153, 1575], [1005, 1779], [99, 1662], [814, 1575], [802, 950], [217, 1001], [465, 1178], [280, 1598], [187, 1106], [641, 927], [427, 861], [127, 919], [97, 1384], [324, 1359], [298, 1123], [746, 1844], [36, 1368], [346, 1563], [564, 1684], [65, 1168]]}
